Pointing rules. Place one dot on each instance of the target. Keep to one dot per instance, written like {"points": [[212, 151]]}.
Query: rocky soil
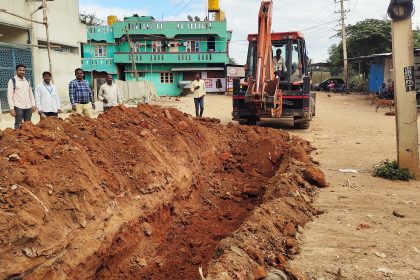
{"points": [[152, 193]]}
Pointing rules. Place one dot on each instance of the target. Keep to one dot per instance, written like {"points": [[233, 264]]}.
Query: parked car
{"points": [[323, 86]]}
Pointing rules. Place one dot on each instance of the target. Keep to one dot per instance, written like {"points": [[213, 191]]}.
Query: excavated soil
{"points": [[152, 193]]}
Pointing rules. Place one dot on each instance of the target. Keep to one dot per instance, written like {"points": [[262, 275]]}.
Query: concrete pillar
{"points": [[405, 97]]}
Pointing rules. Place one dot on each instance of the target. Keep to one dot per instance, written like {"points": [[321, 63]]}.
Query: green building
{"points": [[166, 53]]}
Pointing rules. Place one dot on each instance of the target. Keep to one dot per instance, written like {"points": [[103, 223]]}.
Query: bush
{"points": [[390, 170]]}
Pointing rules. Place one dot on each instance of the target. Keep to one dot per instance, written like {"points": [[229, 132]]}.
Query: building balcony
{"points": [[99, 64], [179, 57], [171, 29], [100, 34]]}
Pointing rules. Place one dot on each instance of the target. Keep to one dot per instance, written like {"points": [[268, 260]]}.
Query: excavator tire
{"points": [[249, 121], [302, 125]]}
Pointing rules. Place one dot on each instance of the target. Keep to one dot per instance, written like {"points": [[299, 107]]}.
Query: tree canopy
{"points": [[90, 19], [367, 37]]}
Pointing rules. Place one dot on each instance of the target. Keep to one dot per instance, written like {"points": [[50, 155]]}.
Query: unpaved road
{"points": [[348, 133], [358, 234]]}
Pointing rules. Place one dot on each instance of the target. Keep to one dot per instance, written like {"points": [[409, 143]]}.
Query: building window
{"points": [[166, 78], [157, 46], [193, 46], [100, 51]]}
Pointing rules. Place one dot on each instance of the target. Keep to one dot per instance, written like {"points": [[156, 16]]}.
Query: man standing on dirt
{"points": [[46, 97], [20, 97], [198, 88], [81, 96], [109, 94]]}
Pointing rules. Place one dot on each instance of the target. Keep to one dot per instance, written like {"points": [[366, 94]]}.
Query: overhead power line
{"points": [[184, 8]]}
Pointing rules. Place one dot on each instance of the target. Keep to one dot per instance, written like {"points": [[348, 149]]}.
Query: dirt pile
{"points": [[151, 193]]}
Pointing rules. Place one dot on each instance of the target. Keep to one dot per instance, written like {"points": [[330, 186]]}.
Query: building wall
{"points": [[146, 34], [64, 28]]}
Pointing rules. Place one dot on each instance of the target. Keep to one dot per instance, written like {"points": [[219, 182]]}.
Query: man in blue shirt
{"points": [[81, 96]]}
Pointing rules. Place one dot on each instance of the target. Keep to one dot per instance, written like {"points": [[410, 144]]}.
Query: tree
{"points": [[232, 60], [416, 38], [370, 36], [90, 19], [335, 59]]}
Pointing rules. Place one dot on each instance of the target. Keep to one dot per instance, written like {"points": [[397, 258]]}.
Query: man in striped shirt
{"points": [[81, 96]]}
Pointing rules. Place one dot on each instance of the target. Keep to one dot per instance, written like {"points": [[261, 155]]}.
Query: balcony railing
{"points": [[98, 64], [170, 28], [183, 57], [100, 33]]}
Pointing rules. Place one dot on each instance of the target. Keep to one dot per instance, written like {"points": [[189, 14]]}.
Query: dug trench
{"points": [[152, 193]]}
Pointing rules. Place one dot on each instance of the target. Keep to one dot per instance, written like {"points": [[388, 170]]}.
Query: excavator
{"points": [[275, 86]]}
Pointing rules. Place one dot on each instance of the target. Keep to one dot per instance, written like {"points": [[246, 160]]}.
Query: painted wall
{"points": [[65, 29]]}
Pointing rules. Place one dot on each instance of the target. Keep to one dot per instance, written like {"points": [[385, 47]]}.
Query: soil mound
{"points": [[151, 193]]}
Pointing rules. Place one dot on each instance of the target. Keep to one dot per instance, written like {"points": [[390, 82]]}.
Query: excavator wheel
{"points": [[249, 121], [302, 125]]}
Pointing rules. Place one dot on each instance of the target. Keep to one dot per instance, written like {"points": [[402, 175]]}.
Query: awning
{"points": [[197, 69]]}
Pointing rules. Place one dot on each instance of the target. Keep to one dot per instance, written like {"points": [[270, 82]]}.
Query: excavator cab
{"points": [[290, 68]]}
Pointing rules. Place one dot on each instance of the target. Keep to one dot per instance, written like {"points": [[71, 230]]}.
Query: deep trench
{"points": [[184, 234]]}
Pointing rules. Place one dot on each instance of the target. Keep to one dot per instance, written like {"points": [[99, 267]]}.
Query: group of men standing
{"points": [[22, 101]]}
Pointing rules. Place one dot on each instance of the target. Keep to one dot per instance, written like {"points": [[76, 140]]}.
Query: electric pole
{"points": [[344, 40], [401, 11], [44, 10], [133, 61]]}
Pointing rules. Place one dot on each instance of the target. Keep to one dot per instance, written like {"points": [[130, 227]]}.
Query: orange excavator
{"points": [[275, 86]]}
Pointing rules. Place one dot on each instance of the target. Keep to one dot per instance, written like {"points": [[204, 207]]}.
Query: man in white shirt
{"points": [[109, 94], [198, 88], [20, 97], [46, 97], [279, 64]]}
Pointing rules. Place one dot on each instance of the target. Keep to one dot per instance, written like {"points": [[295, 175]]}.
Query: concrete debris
{"points": [[147, 229], [14, 157], [348, 171], [385, 270], [30, 252], [398, 214], [380, 254], [276, 274]]}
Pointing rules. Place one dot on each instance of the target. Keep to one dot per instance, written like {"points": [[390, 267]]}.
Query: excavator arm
{"points": [[265, 83]]}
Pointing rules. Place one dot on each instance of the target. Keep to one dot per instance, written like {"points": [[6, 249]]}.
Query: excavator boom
{"points": [[264, 61]]}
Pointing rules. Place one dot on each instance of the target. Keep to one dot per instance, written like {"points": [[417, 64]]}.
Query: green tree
{"points": [[370, 36], [416, 38], [90, 19], [232, 60], [336, 59]]}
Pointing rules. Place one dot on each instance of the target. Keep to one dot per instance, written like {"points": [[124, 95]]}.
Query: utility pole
{"points": [[344, 40], [401, 11], [44, 10], [133, 61]]}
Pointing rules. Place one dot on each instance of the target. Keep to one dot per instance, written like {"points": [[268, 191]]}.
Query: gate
{"points": [[9, 58]]}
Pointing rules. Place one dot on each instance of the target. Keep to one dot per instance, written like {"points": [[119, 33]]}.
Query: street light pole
{"points": [[44, 10], [400, 11]]}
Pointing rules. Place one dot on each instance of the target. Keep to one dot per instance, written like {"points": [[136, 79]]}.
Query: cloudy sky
{"points": [[317, 19]]}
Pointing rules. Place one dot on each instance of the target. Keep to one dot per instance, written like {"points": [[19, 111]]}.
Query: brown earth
{"points": [[151, 193], [348, 133]]}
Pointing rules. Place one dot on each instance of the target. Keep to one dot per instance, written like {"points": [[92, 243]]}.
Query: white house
{"points": [[23, 41]]}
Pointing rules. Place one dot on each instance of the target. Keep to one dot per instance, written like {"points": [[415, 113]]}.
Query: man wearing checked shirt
{"points": [[81, 97]]}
